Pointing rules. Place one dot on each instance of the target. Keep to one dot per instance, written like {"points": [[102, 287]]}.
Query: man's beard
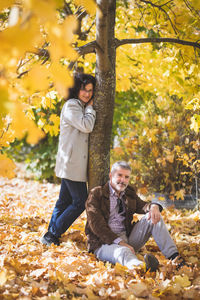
{"points": [[121, 184]]}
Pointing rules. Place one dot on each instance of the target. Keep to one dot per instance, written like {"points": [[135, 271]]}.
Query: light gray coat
{"points": [[76, 122]]}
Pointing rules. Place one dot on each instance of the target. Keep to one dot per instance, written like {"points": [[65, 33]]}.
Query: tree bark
{"points": [[99, 150]]}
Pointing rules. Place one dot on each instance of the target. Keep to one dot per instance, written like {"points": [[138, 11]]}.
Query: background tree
{"points": [[129, 17]]}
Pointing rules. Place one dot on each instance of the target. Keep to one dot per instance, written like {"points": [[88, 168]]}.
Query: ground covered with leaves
{"points": [[30, 270]]}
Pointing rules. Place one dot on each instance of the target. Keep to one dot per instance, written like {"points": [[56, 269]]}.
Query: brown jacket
{"points": [[98, 211]]}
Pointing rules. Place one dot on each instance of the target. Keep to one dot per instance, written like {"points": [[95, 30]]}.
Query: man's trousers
{"points": [[140, 234]]}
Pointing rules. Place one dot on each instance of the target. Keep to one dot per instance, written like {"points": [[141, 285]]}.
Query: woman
{"points": [[76, 122]]}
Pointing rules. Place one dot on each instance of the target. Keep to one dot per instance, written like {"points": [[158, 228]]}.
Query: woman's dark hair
{"points": [[80, 81]]}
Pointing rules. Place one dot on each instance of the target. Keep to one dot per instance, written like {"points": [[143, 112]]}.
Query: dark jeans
{"points": [[68, 208]]}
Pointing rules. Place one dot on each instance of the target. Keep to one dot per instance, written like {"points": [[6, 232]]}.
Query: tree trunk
{"points": [[100, 138]]}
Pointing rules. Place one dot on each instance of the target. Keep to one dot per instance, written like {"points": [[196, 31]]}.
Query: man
{"points": [[112, 236]]}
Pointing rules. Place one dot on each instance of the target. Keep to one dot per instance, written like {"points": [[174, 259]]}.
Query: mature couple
{"points": [[111, 234]]}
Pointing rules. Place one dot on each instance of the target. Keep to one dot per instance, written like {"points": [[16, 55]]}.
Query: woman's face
{"points": [[85, 94]]}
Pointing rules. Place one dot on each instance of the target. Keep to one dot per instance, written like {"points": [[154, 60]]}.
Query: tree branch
{"points": [[156, 40], [191, 8], [88, 48], [160, 7], [155, 5]]}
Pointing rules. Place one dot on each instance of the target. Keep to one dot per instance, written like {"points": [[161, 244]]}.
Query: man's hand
{"points": [[122, 243], [154, 214]]}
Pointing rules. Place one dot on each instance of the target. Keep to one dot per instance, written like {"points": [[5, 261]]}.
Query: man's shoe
{"points": [[151, 262], [179, 262], [49, 238]]}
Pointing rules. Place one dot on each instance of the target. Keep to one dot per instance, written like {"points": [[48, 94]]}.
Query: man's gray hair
{"points": [[120, 164]]}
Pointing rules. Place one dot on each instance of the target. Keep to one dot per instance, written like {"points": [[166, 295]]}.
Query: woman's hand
{"points": [[90, 102]]}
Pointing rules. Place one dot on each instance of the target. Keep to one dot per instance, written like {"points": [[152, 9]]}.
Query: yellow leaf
{"points": [[193, 104], [197, 4], [47, 102], [6, 133], [162, 161], [140, 289], [61, 78], [61, 37], [55, 119], [7, 167], [161, 198], [52, 129], [36, 100], [180, 194], [69, 27], [89, 5], [119, 269], [17, 39], [195, 123], [170, 157], [6, 4], [3, 103], [37, 79], [22, 124], [143, 190], [175, 288], [155, 151], [44, 10], [182, 280]]}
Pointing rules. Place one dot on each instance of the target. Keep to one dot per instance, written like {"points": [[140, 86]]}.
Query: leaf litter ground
{"points": [[30, 270]]}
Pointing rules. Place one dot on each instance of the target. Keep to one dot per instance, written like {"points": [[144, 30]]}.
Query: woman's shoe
{"points": [[49, 238]]}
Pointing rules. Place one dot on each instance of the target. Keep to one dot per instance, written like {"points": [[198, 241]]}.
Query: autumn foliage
{"points": [[30, 270], [36, 49], [156, 128], [155, 136]]}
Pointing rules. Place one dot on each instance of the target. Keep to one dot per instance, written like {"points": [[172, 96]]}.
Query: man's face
{"points": [[119, 179]]}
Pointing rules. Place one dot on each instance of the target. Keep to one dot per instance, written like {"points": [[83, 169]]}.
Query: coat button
{"points": [[84, 156]]}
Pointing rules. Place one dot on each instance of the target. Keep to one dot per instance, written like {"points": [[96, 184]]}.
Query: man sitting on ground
{"points": [[112, 236]]}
